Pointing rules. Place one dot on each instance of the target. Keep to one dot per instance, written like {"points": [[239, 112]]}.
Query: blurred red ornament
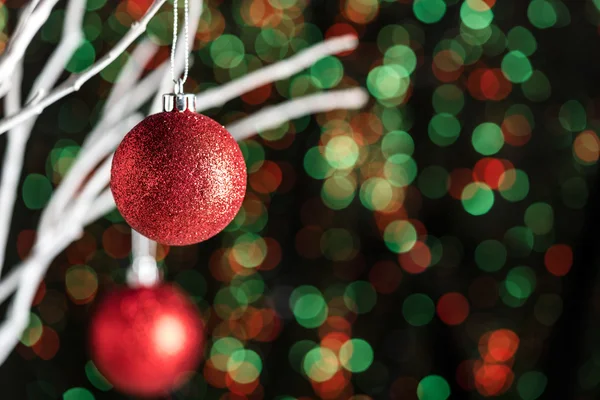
{"points": [[178, 177], [146, 340]]}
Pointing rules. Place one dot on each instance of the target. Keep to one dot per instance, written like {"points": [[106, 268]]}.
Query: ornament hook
{"points": [[178, 100]]}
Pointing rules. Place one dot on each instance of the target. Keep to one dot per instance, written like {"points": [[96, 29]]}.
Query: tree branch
{"points": [[283, 69], [75, 81], [31, 20]]}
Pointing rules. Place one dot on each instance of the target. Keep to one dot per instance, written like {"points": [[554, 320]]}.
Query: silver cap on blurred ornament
{"points": [[178, 100]]}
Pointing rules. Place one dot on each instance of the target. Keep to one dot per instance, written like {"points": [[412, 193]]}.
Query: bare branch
{"points": [[12, 163], [281, 70], [272, 117], [18, 137], [73, 83], [132, 71], [30, 22]]}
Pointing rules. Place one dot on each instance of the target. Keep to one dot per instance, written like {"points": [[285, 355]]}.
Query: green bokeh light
{"points": [[388, 81], [531, 385], [448, 99], [356, 355], [487, 139], [433, 387], [309, 306], [480, 18], [401, 55], [327, 72], [36, 192], [244, 366], [516, 67], [342, 152], [519, 187], [444, 129], [400, 236], [78, 393], [418, 309], [320, 364], [400, 170], [227, 51], [397, 142], [520, 282], [541, 14], [96, 378], [521, 39], [572, 116], [429, 11], [539, 217], [490, 255], [537, 88], [477, 198], [360, 297]]}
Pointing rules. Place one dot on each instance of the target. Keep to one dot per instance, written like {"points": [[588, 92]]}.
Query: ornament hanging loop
{"points": [[178, 100], [186, 44]]}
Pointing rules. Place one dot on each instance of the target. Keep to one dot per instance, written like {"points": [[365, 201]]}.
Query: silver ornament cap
{"points": [[178, 100]]}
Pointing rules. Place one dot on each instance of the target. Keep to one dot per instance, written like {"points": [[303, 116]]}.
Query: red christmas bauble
{"points": [[178, 177], [146, 340]]}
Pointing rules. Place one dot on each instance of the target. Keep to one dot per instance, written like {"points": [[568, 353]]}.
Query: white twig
{"points": [[132, 71], [17, 138], [32, 272], [84, 164], [128, 103], [71, 38], [103, 204], [12, 163], [24, 17], [75, 81], [30, 22], [143, 270], [281, 70], [273, 116]]}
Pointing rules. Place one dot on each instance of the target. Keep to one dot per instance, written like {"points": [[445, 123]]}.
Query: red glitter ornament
{"points": [[178, 177], [146, 340]]}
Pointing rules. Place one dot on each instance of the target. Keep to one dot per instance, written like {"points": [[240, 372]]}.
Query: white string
{"points": [[174, 46]]}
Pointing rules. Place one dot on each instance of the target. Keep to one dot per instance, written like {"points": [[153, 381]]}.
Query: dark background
{"points": [[566, 353]]}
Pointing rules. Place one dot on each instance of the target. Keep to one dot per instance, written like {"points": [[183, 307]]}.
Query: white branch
{"points": [[71, 38], [75, 81], [284, 69], [103, 204], [30, 22], [12, 163], [84, 164], [17, 138], [132, 71], [273, 116], [144, 270], [24, 18]]}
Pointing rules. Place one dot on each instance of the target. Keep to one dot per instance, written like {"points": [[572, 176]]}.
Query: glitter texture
{"points": [[145, 340], [178, 178]]}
